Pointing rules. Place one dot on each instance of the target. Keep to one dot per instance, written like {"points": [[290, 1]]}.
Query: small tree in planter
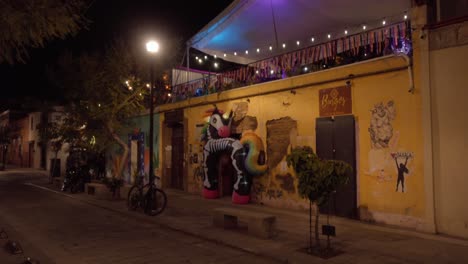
{"points": [[318, 179]]}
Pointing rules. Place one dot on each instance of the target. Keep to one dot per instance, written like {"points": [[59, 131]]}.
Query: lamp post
{"points": [[152, 47]]}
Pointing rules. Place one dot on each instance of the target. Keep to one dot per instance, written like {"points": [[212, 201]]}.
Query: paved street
{"points": [[57, 229]]}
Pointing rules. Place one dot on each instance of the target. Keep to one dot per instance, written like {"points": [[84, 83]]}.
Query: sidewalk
{"points": [[361, 242]]}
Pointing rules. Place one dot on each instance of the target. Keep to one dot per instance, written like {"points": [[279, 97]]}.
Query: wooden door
{"points": [[177, 166]]}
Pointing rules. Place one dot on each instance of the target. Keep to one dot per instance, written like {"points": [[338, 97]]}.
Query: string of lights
{"points": [[315, 39]]}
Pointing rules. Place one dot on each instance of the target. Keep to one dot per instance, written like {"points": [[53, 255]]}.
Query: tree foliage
{"points": [[318, 179], [104, 91], [28, 24]]}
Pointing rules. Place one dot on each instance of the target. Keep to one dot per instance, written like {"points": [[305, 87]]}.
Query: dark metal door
{"points": [[336, 140], [177, 157]]}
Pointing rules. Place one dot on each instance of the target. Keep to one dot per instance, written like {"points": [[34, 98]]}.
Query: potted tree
{"points": [[318, 179]]}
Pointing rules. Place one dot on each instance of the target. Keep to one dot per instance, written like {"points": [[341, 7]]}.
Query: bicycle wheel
{"points": [[134, 198], [155, 201]]}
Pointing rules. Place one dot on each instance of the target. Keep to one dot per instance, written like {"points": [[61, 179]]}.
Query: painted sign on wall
{"points": [[335, 101]]}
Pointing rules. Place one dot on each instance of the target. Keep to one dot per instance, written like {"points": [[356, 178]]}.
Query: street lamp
{"points": [[152, 47]]}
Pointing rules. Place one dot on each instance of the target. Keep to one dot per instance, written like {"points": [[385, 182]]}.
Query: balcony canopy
{"points": [[248, 25]]}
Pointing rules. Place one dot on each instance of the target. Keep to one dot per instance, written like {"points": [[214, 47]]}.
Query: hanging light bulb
{"points": [[215, 56], [405, 16], [246, 52], [284, 45], [364, 27], [298, 43], [271, 48], [384, 22], [346, 32], [224, 55], [235, 53], [256, 71], [306, 69], [200, 60], [258, 50], [313, 39], [272, 71], [329, 35], [206, 57], [215, 65], [196, 57]]}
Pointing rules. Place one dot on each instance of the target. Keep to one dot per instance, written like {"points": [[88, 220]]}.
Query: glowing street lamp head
{"points": [[152, 46]]}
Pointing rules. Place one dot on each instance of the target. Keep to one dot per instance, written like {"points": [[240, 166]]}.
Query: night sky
{"points": [[134, 21]]}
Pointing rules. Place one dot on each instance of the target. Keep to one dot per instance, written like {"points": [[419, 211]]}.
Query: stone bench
{"points": [[258, 224]]}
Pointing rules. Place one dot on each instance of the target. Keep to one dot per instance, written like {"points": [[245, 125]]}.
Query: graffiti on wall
{"points": [[271, 191], [287, 182], [261, 192], [247, 156], [388, 162], [401, 167], [381, 129]]}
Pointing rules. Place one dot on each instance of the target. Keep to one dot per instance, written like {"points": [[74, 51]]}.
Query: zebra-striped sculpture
{"points": [[244, 159]]}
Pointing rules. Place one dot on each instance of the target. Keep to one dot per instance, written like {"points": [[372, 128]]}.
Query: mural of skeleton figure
{"points": [[247, 156]]}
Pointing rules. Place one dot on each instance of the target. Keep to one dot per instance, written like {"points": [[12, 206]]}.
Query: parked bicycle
{"points": [[149, 197]]}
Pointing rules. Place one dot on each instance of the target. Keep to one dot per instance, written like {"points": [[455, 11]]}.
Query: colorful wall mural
{"points": [[136, 133]]}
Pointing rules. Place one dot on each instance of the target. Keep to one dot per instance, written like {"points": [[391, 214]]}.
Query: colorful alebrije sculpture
{"points": [[247, 156]]}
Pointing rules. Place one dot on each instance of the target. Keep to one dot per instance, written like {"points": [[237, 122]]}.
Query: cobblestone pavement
{"points": [[56, 229]]}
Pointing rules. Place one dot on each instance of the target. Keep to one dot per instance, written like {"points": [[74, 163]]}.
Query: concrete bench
{"points": [[258, 224], [100, 191]]}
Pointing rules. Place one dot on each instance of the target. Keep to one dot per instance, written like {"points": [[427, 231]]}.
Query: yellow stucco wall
{"points": [[376, 81]]}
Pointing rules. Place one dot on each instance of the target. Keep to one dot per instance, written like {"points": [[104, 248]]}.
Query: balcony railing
{"points": [[370, 44]]}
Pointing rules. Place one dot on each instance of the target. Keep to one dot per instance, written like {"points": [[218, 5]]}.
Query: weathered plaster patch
{"points": [[278, 139]]}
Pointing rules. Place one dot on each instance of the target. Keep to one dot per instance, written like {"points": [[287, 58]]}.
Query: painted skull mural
{"points": [[247, 156]]}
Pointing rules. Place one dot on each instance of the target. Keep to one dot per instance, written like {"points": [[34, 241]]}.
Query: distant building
{"points": [[26, 149]]}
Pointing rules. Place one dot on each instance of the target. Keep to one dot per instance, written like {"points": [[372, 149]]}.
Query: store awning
{"points": [[248, 25]]}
